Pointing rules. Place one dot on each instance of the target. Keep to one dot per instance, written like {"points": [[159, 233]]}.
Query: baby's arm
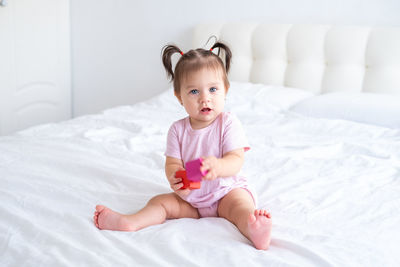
{"points": [[229, 165], [172, 165]]}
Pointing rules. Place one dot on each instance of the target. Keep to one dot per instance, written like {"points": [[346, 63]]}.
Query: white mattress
{"points": [[332, 187]]}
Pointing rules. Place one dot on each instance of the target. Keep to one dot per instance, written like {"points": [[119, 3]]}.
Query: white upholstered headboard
{"points": [[318, 58]]}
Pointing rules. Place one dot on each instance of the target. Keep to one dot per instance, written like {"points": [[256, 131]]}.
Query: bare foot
{"points": [[259, 229], [107, 219]]}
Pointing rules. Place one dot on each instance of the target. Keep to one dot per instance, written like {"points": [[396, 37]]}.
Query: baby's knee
{"points": [[156, 200], [162, 200], [166, 201]]}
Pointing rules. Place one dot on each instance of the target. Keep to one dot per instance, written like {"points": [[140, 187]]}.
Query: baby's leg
{"points": [[156, 211], [238, 207]]}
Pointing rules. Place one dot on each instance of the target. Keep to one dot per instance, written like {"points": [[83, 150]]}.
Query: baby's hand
{"points": [[176, 184], [211, 165]]}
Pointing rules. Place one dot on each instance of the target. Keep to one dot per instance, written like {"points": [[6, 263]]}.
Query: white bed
{"points": [[332, 184]]}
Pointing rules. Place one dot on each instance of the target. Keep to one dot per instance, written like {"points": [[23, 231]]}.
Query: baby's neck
{"points": [[198, 125]]}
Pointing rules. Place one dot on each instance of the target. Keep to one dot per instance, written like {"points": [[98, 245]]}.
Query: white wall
{"points": [[116, 44]]}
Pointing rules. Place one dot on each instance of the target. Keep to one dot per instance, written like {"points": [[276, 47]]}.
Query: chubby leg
{"points": [[238, 208], [156, 211]]}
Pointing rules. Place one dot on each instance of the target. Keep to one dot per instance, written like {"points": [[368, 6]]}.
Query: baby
{"points": [[200, 85]]}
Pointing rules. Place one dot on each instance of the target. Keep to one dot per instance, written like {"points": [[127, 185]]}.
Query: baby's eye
{"points": [[213, 89], [194, 92]]}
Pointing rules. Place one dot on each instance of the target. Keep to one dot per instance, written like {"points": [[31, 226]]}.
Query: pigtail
{"points": [[228, 53], [167, 53]]}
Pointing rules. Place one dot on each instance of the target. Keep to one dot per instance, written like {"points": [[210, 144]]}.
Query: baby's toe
{"points": [[100, 208]]}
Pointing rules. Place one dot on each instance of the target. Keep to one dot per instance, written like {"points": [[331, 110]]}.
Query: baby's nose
{"points": [[205, 97]]}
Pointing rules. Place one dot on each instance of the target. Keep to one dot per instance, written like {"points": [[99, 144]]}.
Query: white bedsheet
{"points": [[332, 186]]}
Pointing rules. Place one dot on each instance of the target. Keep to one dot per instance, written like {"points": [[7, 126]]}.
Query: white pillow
{"points": [[260, 95], [371, 108]]}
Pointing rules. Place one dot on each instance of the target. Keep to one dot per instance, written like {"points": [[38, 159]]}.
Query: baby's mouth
{"points": [[205, 109]]}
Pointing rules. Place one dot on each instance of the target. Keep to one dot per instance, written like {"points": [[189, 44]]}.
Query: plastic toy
{"points": [[191, 177], [193, 170], [186, 182]]}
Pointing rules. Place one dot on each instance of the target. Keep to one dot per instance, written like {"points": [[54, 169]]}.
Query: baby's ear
{"points": [[226, 90], [178, 96]]}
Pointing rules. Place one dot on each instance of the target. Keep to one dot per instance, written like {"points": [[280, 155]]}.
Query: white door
{"points": [[35, 75]]}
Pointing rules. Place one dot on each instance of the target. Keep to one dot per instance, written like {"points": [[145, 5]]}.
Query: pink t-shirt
{"points": [[223, 135]]}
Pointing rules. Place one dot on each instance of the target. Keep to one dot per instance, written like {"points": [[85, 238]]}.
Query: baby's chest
{"points": [[202, 145]]}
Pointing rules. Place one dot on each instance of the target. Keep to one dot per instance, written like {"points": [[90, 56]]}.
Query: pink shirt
{"points": [[223, 135]]}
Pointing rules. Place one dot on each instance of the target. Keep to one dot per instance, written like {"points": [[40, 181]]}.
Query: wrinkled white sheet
{"points": [[333, 188]]}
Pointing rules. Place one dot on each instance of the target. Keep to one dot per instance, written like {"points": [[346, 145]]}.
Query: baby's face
{"points": [[203, 97]]}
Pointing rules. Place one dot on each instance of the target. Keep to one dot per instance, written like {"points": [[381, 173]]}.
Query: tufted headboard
{"points": [[318, 58]]}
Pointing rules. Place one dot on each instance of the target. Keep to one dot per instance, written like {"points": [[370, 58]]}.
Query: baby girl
{"points": [[217, 137]]}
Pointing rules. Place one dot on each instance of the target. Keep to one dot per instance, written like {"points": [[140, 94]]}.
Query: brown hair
{"points": [[194, 60]]}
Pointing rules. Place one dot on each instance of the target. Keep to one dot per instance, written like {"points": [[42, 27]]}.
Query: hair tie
{"points": [[211, 49], [181, 53]]}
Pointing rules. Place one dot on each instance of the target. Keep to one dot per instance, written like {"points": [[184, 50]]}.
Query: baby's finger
{"points": [[208, 176], [204, 168], [174, 182], [177, 186]]}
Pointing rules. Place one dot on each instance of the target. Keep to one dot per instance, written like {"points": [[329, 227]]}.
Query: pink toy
{"points": [[193, 170], [191, 177]]}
